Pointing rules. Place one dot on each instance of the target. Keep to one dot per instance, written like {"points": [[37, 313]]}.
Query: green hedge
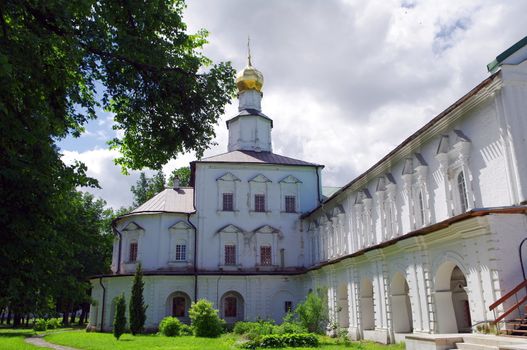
{"points": [[170, 326], [282, 341]]}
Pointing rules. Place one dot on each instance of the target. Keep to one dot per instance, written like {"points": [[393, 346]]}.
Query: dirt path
{"points": [[38, 340]]}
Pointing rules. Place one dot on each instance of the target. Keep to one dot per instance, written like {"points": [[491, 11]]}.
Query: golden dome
{"points": [[249, 78]]}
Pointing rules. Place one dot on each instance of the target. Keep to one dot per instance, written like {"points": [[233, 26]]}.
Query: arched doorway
{"points": [[401, 307], [232, 307], [452, 304], [342, 304], [367, 312], [177, 305]]}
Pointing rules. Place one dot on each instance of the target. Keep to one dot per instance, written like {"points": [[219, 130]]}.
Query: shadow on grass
{"points": [[15, 334]]}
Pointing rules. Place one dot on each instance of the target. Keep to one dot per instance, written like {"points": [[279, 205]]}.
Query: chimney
{"points": [[175, 184]]}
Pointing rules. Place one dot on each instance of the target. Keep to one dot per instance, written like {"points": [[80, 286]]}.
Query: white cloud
{"points": [[357, 77]]}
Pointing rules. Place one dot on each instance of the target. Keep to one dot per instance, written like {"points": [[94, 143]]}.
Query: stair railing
{"points": [[517, 305]]}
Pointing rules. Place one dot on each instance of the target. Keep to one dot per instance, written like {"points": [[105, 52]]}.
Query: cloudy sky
{"points": [[345, 81]]}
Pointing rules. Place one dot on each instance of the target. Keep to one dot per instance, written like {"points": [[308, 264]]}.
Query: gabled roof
{"points": [[255, 157], [169, 201]]}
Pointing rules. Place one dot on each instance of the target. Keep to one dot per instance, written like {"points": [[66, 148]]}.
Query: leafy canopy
{"points": [[165, 95]]}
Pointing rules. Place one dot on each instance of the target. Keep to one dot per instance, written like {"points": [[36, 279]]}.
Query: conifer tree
{"points": [[137, 305], [119, 322]]}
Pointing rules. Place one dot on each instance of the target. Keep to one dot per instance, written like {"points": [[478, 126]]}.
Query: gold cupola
{"points": [[249, 78]]}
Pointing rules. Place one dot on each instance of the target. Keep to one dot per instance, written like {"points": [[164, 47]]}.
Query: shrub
{"points": [[289, 328], [54, 323], [205, 320], [252, 330], [185, 329], [137, 304], [312, 313], [282, 341], [242, 327], [119, 322], [170, 326], [40, 324]]}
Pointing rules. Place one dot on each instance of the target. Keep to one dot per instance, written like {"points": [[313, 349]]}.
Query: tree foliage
{"points": [[205, 320], [165, 95], [183, 174], [313, 312], [137, 303], [119, 321]]}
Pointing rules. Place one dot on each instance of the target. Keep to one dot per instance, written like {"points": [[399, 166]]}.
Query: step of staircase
{"points": [[472, 346]]}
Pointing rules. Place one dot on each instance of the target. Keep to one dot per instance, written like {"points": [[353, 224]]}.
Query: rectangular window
{"points": [[181, 252], [230, 254], [230, 307], [265, 256], [290, 204], [133, 252], [228, 202], [288, 306], [259, 202]]}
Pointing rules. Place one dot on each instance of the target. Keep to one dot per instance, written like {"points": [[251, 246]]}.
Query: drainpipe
{"points": [[195, 258], [319, 185], [103, 302], [116, 231]]}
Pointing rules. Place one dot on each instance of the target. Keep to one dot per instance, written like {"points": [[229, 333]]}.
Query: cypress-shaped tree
{"points": [[119, 321], [137, 305]]}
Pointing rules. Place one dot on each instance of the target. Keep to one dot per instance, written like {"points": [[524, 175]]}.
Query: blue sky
{"points": [[359, 77]]}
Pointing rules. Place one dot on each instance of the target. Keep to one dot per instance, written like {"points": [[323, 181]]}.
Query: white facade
{"points": [[422, 242]]}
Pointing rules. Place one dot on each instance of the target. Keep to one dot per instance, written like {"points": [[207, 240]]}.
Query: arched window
{"points": [[462, 189], [133, 252]]}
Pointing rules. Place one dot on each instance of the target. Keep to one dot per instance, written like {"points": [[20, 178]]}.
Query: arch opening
{"points": [[367, 312], [452, 302], [232, 307], [177, 305], [401, 306], [343, 306]]}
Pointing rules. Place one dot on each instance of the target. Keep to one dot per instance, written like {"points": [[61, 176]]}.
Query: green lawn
{"points": [[105, 341], [13, 339]]}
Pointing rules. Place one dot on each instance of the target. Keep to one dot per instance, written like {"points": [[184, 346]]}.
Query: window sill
{"points": [[266, 267], [289, 212], [227, 211], [230, 267], [178, 263], [259, 212]]}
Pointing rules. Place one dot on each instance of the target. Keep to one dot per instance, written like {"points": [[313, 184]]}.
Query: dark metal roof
{"points": [[255, 157]]}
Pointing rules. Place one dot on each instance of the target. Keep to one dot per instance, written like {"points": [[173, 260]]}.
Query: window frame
{"points": [[133, 251], [180, 255], [229, 255], [259, 203], [266, 255], [227, 204], [290, 207]]}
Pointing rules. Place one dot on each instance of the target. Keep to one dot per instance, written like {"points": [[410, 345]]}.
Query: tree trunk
{"points": [[17, 318], [2, 316], [72, 318], [65, 319], [82, 317], [8, 321], [27, 320]]}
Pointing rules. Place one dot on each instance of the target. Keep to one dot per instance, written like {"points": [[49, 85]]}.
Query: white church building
{"points": [[423, 242]]}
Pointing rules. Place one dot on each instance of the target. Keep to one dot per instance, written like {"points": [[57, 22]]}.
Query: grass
{"points": [[13, 339], [106, 341]]}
